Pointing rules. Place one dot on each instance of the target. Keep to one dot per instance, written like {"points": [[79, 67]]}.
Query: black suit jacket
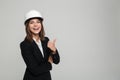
{"points": [[38, 67]]}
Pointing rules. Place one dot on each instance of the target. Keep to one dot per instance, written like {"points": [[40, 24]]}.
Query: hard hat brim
{"points": [[41, 19]]}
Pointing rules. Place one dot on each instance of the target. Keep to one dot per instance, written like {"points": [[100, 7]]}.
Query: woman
{"points": [[37, 51]]}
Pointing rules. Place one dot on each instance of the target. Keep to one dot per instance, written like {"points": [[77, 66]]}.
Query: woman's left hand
{"points": [[51, 45], [50, 59]]}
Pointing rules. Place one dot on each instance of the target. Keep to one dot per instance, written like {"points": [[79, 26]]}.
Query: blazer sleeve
{"points": [[31, 62], [55, 56]]}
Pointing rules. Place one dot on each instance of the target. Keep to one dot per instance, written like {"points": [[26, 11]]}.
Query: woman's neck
{"points": [[36, 37]]}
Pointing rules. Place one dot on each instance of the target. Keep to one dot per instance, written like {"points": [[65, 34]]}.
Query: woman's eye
{"points": [[38, 21], [31, 22]]}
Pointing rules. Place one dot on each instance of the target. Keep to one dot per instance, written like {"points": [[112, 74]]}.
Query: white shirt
{"points": [[39, 45]]}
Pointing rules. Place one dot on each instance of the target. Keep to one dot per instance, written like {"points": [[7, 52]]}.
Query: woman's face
{"points": [[35, 26]]}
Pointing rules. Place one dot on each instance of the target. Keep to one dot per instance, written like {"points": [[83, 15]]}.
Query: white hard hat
{"points": [[33, 14]]}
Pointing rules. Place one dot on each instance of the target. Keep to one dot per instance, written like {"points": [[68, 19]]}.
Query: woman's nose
{"points": [[35, 24]]}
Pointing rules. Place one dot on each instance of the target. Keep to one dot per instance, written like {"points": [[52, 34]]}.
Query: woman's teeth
{"points": [[35, 28]]}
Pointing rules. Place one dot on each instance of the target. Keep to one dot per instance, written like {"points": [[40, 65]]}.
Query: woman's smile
{"points": [[36, 29]]}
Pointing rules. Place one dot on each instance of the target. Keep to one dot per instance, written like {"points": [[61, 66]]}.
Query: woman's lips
{"points": [[35, 28]]}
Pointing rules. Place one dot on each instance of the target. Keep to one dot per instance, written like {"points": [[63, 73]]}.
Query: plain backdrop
{"points": [[87, 33]]}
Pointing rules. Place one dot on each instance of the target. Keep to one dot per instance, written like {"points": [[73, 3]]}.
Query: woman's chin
{"points": [[36, 33]]}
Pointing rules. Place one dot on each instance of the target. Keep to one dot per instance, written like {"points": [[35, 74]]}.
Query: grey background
{"points": [[87, 33]]}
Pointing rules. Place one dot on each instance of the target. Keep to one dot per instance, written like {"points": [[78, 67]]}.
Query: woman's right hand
{"points": [[50, 59]]}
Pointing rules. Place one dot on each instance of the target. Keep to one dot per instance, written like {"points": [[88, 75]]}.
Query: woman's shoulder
{"points": [[26, 46], [25, 43], [46, 38]]}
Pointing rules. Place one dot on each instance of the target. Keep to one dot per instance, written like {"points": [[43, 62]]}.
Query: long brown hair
{"points": [[29, 33]]}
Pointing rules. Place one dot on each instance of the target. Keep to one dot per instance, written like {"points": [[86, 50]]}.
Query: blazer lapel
{"points": [[37, 51]]}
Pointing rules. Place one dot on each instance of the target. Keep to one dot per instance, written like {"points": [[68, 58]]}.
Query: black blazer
{"points": [[37, 66]]}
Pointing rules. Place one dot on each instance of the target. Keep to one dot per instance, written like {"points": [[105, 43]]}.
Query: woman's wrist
{"points": [[54, 50]]}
